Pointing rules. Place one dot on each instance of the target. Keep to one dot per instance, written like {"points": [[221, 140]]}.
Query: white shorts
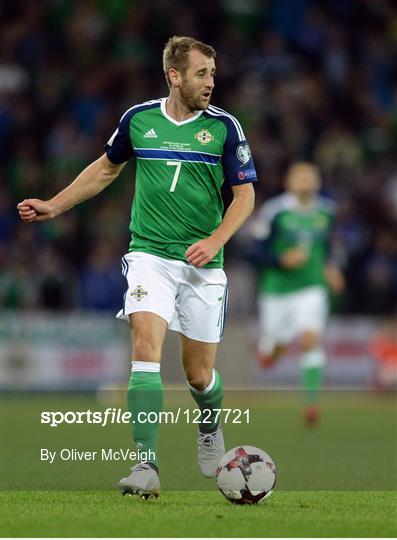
{"points": [[283, 317], [192, 300]]}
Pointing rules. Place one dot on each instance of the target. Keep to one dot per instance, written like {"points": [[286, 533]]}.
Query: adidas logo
{"points": [[151, 134]]}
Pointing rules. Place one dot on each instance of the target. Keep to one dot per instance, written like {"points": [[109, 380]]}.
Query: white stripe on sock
{"points": [[206, 390], [149, 367]]}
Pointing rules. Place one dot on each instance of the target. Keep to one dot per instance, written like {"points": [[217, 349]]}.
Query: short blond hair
{"points": [[298, 165], [176, 53]]}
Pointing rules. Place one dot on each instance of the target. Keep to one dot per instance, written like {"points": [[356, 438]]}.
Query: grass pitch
{"points": [[198, 514], [337, 480]]}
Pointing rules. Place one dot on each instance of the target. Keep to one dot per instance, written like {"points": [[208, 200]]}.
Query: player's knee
{"points": [[146, 351], [309, 340], [199, 379]]}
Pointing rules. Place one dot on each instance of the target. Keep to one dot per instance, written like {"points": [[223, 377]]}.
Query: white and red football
{"points": [[246, 475]]}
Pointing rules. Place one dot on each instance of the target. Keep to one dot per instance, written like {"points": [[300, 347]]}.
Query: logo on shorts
{"points": [[139, 293]]}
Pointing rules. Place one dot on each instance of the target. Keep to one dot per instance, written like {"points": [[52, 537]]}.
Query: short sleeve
{"points": [[265, 220], [119, 148], [238, 164], [262, 224]]}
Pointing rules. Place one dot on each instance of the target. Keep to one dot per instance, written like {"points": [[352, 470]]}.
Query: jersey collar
{"points": [[168, 117], [293, 202]]}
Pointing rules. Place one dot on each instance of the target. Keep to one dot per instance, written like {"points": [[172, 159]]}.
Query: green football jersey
{"points": [[283, 224], [180, 169]]}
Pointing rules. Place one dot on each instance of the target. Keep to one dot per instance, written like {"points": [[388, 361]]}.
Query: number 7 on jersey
{"points": [[178, 165]]}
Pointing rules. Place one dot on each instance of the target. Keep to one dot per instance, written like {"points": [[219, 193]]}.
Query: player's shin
{"points": [[312, 372], [145, 402], [209, 402]]}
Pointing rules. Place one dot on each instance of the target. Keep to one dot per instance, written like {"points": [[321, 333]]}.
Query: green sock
{"points": [[207, 400], [312, 373], [145, 395]]}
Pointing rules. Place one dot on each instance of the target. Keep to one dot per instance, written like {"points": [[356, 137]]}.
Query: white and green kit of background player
{"points": [[294, 301], [180, 169]]}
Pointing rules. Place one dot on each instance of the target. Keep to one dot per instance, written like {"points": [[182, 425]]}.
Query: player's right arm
{"points": [[91, 181]]}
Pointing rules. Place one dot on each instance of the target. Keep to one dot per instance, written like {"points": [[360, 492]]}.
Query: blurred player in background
{"points": [[184, 148], [292, 236]]}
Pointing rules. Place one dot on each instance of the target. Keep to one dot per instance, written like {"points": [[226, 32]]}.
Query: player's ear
{"points": [[175, 77]]}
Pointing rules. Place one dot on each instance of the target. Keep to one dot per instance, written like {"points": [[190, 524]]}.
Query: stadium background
{"points": [[311, 80]]}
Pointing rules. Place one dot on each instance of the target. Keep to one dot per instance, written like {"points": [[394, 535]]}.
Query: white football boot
{"points": [[143, 481], [211, 447]]}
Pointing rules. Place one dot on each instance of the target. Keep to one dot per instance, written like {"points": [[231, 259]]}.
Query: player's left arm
{"points": [[332, 268], [202, 252], [335, 278], [240, 173]]}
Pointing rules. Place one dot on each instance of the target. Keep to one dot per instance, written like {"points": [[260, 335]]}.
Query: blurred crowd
{"points": [[308, 79]]}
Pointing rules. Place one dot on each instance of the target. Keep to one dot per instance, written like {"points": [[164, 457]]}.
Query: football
{"points": [[246, 475]]}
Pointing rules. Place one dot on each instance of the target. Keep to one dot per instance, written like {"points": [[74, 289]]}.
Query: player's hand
{"points": [[35, 210], [293, 258], [335, 279], [202, 252]]}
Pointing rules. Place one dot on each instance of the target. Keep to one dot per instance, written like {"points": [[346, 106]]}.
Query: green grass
{"points": [[353, 448], [197, 514], [337, 480]]}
